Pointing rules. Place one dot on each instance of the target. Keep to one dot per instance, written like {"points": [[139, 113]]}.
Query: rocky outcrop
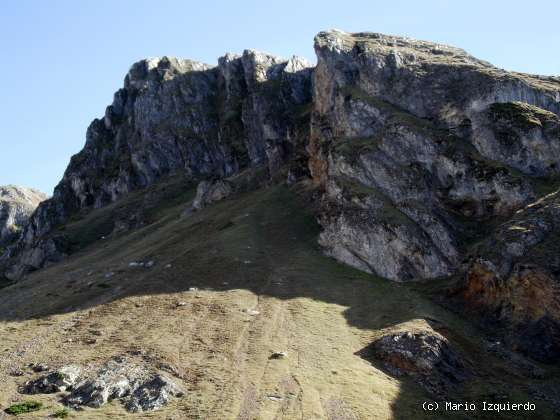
{"points": [[17, 204], [138, 388], [177, 116], [409, 139], [60, 380], [424, 355], [208, 192]]}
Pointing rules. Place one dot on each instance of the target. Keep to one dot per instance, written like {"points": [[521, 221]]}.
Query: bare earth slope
{"points": [[262, 286]]}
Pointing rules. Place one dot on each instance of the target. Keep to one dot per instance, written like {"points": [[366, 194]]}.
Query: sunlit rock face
{"points": [[409, 139]]}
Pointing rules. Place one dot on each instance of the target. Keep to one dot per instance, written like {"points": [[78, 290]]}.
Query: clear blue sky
{"points": [[61, 61]]}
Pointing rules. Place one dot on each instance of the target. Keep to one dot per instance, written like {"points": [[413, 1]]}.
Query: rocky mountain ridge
{"points": [[420, 153], [178, 116], [16, 206]]}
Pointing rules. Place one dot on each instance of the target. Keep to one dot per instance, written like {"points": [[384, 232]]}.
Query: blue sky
{"points": [[61, 61]]}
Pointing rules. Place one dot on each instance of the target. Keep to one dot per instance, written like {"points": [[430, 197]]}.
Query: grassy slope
{"points": [[257, 251]]}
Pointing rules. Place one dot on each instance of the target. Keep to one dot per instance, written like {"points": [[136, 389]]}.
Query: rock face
{"points": [[177, 116], [514, 275], [411, 138], [17, 204], [420, 148]]}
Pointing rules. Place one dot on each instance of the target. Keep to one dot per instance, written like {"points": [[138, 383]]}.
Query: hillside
{"points": [[264, 239], [256, 252]]}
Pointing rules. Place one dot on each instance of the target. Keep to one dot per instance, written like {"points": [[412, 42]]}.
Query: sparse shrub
{"points": [[61, 414]]}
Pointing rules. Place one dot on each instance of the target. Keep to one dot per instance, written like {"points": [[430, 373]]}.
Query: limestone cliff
{"points": [[513, 276], [410, 138], [16, 206], [434, 164]]}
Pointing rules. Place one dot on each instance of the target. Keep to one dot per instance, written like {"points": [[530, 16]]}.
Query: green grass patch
{"points": [[352, 148], [521, 115], [396, 115], [153, 203], [545, 185], [386, 212], [24, 407]]}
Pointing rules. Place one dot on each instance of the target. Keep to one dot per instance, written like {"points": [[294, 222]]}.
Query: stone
{"points": [[408, 138], [38, 367], [252, 312], [16, 372], [424, 355], [47, 251], [145, 264], [153, 394], [511, 278], [135, 385], [59, 380], [279, 355], [208, 192]]}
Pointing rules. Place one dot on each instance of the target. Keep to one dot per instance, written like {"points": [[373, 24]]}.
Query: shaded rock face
{"points": [[513, 275], [410, 139], [17, 204], [425, 356], [178, 116]]}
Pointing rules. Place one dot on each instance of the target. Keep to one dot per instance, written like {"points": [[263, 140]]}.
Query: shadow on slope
{"points": [[263, 241]]}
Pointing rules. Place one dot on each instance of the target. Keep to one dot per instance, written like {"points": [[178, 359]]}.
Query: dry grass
{"points": [[256, 251]]}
